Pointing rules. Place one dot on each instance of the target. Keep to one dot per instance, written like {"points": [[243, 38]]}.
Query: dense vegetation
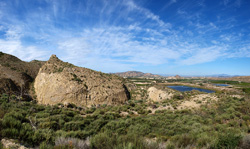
{"points": [[220, 124]]}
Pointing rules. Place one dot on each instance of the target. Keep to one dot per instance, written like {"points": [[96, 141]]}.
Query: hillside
{"points": [[17, 75], [61, 82], [136, 74]]}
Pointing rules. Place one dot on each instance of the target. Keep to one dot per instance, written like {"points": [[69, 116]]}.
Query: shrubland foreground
{"points": [[224, 123]]}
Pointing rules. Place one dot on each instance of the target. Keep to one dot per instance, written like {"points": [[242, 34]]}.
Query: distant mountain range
{"points": [[221, 75], [136, 74]]}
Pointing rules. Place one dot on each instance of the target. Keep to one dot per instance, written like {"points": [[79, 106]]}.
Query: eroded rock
{"points": [[61, 82], [155, 94]]}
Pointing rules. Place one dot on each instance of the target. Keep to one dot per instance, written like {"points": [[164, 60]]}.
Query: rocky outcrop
{"points": [[61, 82], [8, 86], [16, 75], [10, 143], [157, 95]]}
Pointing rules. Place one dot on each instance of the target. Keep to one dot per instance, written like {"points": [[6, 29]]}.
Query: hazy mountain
{"points": [[134, 74]]}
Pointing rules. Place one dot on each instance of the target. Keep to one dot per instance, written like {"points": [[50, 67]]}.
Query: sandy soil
{"points": [[195, 102]]}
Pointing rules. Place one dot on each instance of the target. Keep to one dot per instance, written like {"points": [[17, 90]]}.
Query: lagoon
{"points": [[221, 84], [188, 88]]}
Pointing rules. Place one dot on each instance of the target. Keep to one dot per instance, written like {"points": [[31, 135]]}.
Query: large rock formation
{"points": [[60, 82]]}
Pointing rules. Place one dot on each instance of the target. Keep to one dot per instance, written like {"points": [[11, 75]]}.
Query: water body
{"points": [[187, 88], [221, 84]]}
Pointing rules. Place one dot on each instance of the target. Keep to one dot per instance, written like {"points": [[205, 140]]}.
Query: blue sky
{"points": [[185, 37]]}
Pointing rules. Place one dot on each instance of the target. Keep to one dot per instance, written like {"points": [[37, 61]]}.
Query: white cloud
{"points": [[212, 25], [26, 53], [241, 52], [171, 2], [148, 14], [204, 55], [118, 45], [1, 28], [74, 49], [13, 33]]}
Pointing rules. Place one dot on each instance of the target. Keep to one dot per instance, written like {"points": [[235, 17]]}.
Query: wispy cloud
{"points": [[118, 44], [171, 2], [204, 55], [148, 14], [121, 35], [12, 44], [26, 53]]}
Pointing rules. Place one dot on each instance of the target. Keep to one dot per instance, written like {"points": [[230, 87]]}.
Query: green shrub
{"points": [[96, 125], [170, 145], [246, 90], [107, 141], [119, 126], [12, 124], [1, 145], [26, 133], [10, 133], [184, 140], [111, 116], [43, 135], [69, 126], [2, 113], [228, 140], [45, 145], [103, 141], [135, 141], [49, 125], [69, 113], [140, 129], [90, 110], [4, 97]]}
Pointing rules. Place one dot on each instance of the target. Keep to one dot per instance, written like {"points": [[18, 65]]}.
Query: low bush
{"points": [[228, 140], [1, 145], [43, 135]]}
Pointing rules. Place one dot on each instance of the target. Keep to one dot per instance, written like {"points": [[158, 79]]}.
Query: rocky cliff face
{"points": [[60, 82]]}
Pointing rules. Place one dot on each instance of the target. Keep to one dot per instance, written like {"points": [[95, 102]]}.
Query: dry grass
{"points": [[72, 142], [245, 144]]}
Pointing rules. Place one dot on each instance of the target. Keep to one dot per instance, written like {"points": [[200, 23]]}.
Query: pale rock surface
{"points": [[9, 144], [61, 82], [157, 95]]}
